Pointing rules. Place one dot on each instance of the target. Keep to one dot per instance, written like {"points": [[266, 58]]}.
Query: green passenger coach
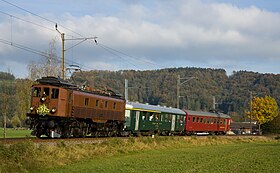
{"points": [[144, 119]]}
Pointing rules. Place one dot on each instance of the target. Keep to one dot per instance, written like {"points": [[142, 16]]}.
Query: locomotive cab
{"points": [[46, 100]]}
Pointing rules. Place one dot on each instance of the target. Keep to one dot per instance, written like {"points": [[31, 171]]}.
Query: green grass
{"points": [[144, 154], [243, 157], [15, 133]]}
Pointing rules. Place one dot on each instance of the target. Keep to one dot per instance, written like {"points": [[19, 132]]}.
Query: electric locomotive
{"points": [[60, 109]]}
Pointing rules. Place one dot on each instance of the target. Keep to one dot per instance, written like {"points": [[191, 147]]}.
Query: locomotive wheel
{"points": [[38, 135], [83, 132], [95, 134], [66, 133], [76, 132]]}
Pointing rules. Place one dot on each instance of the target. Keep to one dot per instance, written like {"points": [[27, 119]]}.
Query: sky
{"points": [[142, 35]]}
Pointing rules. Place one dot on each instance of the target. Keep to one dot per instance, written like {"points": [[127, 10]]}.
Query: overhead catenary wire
{"points": [[34, 14], [27, 21], [103, 46], [37, 52], [131, 57], [108, 50], [19, 46]]}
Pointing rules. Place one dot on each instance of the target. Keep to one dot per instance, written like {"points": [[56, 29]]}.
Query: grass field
{"points": [[145, 154], [15, 133], [238, 157]]}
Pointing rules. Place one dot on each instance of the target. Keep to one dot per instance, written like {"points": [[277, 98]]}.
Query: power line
{"points": [[106, 48], [37, 52], [34, 14], [132, 57], [28, 49], [33, 23]]}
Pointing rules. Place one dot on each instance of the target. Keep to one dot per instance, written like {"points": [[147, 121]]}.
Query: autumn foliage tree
{"points": [[263, 109]]}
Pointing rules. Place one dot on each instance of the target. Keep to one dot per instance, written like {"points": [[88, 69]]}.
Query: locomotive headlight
{"points": [[53, 110], [43, 99], [31, 108]]}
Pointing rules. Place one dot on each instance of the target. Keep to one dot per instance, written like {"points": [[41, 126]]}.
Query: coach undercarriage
{"points": [[54, 127]]}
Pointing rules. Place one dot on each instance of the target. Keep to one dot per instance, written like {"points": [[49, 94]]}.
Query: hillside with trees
{"points": [[158, 87]]}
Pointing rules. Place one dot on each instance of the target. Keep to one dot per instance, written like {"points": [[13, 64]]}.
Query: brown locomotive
{"points": [[60, 109]]}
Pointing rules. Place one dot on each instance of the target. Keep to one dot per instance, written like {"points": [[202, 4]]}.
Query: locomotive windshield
{"points": [[36, 91], [46, 91]]}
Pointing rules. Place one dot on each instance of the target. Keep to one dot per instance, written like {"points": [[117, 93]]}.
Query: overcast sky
{"points": [[141, 35]]}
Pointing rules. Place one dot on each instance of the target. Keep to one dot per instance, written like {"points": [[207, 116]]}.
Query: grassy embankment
{"points": [[144, 154], [15, 133]]}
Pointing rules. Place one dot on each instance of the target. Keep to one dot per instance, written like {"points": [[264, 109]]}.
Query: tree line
{"points": [[157, 87]]}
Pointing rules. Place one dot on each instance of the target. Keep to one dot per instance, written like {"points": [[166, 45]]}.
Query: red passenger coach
{"points": [[206, 122]]}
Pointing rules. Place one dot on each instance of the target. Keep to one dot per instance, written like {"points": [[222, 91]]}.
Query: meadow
{"points": [[15, 133], [145, 154], [246, 157]]}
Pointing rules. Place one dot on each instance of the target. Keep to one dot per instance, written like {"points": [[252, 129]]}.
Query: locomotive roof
{"points": [[55, 81], [212, 114], [153, 108], [49, 80]]}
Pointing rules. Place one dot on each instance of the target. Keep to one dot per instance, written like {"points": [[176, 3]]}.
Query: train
{"points": [[62, 110]]}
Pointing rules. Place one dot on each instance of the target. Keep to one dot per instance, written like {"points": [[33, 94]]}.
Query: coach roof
{"points": [[209, 114], [147, 107]]}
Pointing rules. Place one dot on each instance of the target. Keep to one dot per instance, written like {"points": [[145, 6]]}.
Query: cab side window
{"points": [[55, 93], [37, 92]]}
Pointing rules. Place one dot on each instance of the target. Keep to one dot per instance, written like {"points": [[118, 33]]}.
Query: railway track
{"points": [[8, 141], [90, 139]]}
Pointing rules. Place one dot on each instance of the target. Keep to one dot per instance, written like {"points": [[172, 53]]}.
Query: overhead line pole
{"points": [[251, 110], [63, 48], [63, 54], [186, 79]]}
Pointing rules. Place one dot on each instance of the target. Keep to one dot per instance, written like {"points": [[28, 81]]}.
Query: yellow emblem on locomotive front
{"points": [[43, 110]]}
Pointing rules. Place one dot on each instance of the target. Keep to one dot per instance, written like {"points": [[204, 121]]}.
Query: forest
{"points": [[198, 86]]}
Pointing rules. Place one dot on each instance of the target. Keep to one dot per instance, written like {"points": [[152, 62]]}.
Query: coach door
{"points": [[173, 122], [137, 120]]}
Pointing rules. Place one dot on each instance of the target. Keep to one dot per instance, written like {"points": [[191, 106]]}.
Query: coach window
{"points": [[189, 118], [166, 117], [201, 120], [115, 105], [215, 121], [144, 115], [55, 93], [169, 117], [162, 117], [204, 120], [157, 117], [96, 103], [193, 119], [225, 121], [86, 101], [37, 92], [197, 119], [151, 116]]}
